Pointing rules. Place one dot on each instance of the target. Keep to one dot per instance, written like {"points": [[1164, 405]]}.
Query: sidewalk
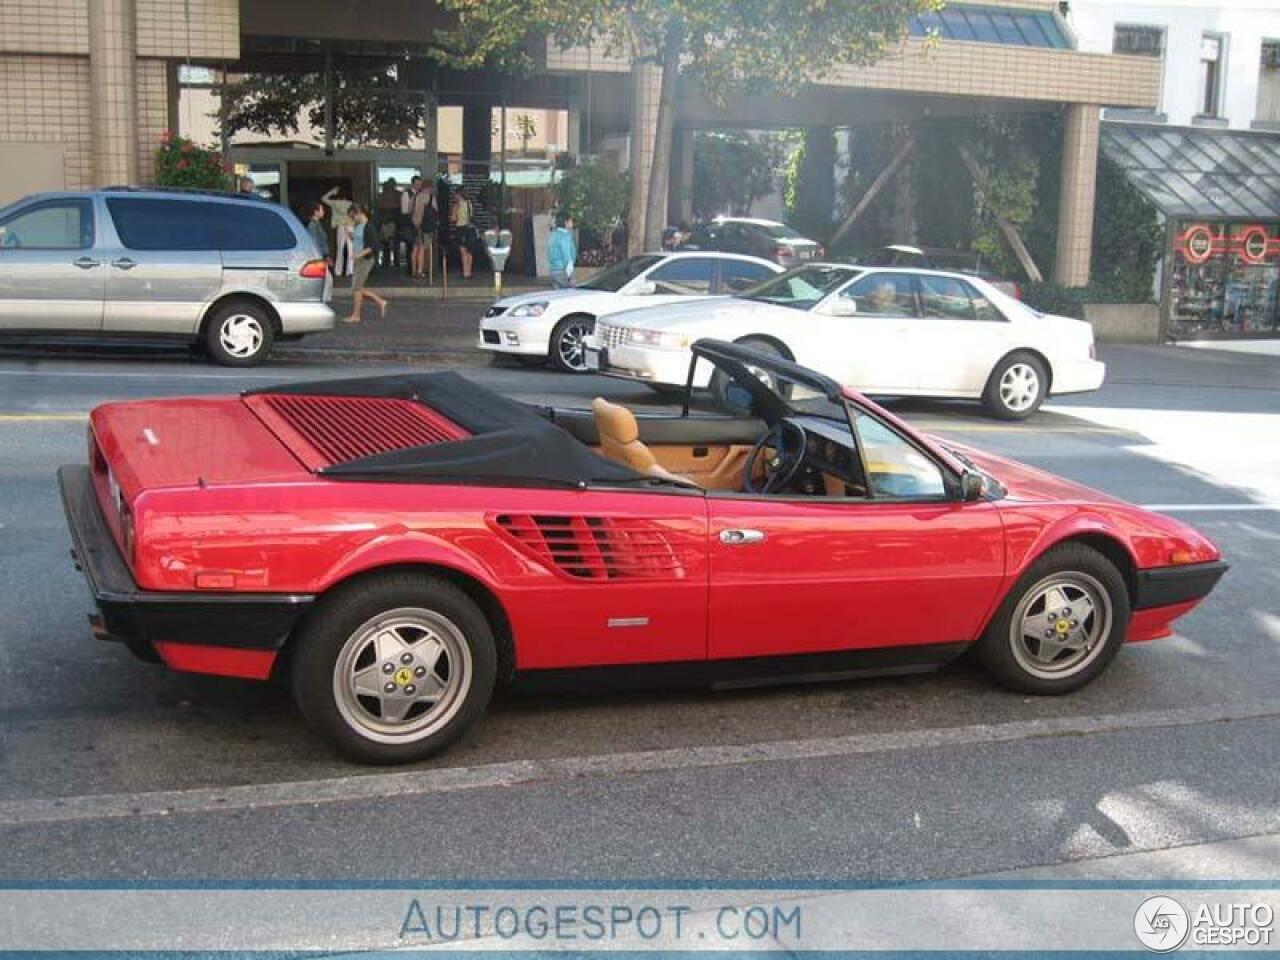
{"points": [[395, 282]]}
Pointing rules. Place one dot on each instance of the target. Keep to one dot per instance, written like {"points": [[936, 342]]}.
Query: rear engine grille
{"points": [[598, 548], [341, 429]]}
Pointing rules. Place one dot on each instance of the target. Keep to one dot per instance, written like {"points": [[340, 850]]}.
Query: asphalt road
{"points": [[113, 769]]}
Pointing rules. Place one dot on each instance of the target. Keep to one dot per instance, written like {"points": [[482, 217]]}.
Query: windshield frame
{"points": [[852, 273]]}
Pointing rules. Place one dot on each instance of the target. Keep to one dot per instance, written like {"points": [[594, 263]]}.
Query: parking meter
{"points": [[498, 243]]}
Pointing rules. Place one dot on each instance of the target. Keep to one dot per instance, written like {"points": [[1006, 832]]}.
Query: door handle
{"points": [[124, 263], [87, 263], [735, 538]]}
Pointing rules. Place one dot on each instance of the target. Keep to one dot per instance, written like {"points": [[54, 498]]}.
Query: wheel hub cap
{"points": [[241, 335], [1019, 387], [1059, 625]]}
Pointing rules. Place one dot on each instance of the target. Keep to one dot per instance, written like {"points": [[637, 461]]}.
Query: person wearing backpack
{"points": [[423, 218]]}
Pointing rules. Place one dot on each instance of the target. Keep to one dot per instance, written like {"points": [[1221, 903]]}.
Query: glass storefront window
{"points": [[1224, 279]]}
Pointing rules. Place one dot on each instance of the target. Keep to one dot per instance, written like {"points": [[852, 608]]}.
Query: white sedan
{"points": [[884, 331], [554, 323]]}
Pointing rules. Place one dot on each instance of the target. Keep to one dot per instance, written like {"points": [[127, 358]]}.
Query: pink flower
{"points": [[182, 164]]}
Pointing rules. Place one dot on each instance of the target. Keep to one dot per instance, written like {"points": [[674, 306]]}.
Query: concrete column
{"points": [[813, 211], [477, 153], [573, 135], [646, 87], [113, 107], [430, 136], [1079, 187]]}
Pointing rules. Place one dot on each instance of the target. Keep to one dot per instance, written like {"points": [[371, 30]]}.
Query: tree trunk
{"points": [[639, 184], [655, 219]]}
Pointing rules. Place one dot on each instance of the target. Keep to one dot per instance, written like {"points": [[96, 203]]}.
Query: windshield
{"points": [[620, 274], [802, 288]]}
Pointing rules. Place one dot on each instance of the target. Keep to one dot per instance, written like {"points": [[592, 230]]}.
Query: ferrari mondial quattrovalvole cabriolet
{"points": [[398, 546]]}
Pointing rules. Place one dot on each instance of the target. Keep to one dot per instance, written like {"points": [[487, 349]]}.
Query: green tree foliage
{"points": [[1011, 168], [733, 169], [182, 163], [370, 106], [811, 185], [725, 45], [1127, 239], [595, 195]]}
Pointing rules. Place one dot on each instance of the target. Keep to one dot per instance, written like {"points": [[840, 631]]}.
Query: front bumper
{"points": [[231, 634], [646, 364], [526, 336], [1165, 586]]}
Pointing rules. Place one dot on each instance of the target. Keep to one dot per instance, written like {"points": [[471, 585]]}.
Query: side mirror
{"points": [[843, 307], [973, 486], [641, 288]]}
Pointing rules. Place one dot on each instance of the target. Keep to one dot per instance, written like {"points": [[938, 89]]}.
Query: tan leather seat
{"points": [[620, 441]]}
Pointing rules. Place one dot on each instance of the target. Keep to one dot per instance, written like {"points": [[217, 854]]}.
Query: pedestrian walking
{"points": [[562, 253], [364, 250], [341, 221]]}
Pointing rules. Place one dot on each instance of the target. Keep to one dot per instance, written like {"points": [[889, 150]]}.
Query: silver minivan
{"points": [[232, 273]]}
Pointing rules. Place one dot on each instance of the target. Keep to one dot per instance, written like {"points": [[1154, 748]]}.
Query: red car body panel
{"points": [[217, 499]]}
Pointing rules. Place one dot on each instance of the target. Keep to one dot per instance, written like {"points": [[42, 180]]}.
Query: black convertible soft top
{"points": [[510, 442]]}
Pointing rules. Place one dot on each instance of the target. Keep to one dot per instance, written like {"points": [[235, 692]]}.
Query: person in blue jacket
{"points": [[562, 252]]}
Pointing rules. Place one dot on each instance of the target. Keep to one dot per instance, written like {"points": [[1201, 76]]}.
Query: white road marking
{"points": [[415, 783], [1210, 507]]}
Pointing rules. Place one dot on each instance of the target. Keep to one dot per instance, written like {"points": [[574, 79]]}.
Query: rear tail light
{"points": [[820, 252], [1093, 350], [314, 269], [1016, 292], [782, 251]]}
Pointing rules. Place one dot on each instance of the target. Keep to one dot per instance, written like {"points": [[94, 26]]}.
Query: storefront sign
{"points": [[1253, 244], [1197, 243]]}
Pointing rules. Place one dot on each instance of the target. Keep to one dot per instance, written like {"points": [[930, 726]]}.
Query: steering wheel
{"points": [[787, 438]]}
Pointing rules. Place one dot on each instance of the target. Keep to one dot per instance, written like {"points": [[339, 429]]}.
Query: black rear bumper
{"points": [[1163, 586], [140, 618]]}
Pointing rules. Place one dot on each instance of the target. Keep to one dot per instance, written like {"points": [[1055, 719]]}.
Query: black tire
{"points": [[1008, 402], [340, 624], [1016, 667], [720, 382], [565, 354], [239, 333]]}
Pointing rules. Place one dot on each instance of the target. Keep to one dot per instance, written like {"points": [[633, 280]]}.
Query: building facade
{"points": [[92, 83], [1208, 156]]}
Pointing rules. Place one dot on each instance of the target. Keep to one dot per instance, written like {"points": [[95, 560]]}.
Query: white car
{"points": [[884, 331], [553, 323]]}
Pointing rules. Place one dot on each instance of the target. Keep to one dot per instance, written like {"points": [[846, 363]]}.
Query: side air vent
{"points": [[334, 430], [598, 548]]}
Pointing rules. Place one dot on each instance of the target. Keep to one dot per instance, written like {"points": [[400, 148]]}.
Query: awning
{"points": [[1199, 174]]}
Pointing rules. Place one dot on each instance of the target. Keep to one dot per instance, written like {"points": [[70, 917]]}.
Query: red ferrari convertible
{"points": [[400, 545]]}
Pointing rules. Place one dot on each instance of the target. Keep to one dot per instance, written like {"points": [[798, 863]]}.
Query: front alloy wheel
{"points": [[1061, 623], [568, 344]]}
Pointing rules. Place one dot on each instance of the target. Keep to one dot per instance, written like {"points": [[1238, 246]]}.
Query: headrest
{"points": [[615, 421]]}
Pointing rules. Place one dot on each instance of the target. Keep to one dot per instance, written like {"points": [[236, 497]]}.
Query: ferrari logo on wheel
{"points": [[403, 676], [1062, 626]]}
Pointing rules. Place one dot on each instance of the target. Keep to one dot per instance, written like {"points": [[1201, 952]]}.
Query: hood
{"points": [[695, 313], [1025, 483], [548, 296]]}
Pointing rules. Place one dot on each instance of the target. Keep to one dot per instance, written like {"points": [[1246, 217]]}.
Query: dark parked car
{"points": [[938, 258], [767, 239]]}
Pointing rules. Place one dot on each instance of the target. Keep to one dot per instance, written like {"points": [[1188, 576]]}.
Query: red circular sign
{"points": [[1197, 243], [1253, 243]]}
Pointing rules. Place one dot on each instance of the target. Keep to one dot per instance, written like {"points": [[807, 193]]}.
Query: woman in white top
{"points": [[340, 220]]}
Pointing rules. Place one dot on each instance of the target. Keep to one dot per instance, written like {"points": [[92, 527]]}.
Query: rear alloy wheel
{"points": [[568, 343], [1060, 625], [239, 334], [1016, 387], [395, 668]]}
